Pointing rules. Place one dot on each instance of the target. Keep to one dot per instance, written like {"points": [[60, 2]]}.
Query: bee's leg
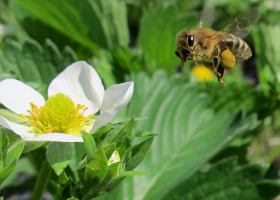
{"points": [[194, 60], [221, 72], [215, 60], [194, 53], [218, 69]]}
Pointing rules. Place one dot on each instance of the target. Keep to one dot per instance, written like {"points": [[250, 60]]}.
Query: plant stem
{"points": [[42, 181]]}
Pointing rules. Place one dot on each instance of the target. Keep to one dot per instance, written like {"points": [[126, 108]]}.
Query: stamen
{"points": [[33, 109], [22, 116], [91, 116], [81, 118]]}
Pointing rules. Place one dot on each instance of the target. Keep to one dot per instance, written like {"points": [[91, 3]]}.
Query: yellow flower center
{"points": [[58, 115]]}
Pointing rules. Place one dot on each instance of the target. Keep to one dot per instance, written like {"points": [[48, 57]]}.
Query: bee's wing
{"points": [[207, 16], [242, 24]]}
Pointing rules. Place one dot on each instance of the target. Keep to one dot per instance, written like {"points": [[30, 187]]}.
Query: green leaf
{"points": [[10, 135], [117, 181], [132, 173], [129, 126], [189, 133], [119, 133], [158, 28], [89, 145], [63, 179], [50, 12], [33, 63], [95, 171], [59, 155], [9, 17], [138, 153], [5, 146], [14, 153], [107, 21], [265, 37], [113, 135], [123, 148], [108, 150], [57, 187], [93, 24], [30, 146], [104, 68], [114, 168], [222, 182], [7, 171], [269, 189]]}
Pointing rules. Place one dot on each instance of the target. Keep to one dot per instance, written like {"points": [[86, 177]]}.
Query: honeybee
{"points": [[218, 50]]}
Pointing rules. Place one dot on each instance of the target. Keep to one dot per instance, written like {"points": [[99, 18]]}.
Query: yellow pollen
{"points": [[60, 115], [22, 116], [33, 109], [81, 118], [91, 116]]}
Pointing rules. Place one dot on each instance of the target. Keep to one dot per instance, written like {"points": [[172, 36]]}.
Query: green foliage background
{"points": [[211, 142]]}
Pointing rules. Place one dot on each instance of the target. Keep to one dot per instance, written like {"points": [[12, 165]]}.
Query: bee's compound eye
{"points": [[177, 54], [190, 40]]}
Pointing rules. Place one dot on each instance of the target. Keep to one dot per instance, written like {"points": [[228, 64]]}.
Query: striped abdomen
{"points": [[237, 46]]}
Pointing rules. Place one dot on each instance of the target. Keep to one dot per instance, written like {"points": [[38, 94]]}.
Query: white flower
{"points": [[75, 95]]}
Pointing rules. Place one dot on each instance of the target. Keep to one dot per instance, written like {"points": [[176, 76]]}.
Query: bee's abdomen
{"points": [[237, 46]]}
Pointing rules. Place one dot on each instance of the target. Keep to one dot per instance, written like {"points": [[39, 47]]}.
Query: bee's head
{"points": [[185, 43]]}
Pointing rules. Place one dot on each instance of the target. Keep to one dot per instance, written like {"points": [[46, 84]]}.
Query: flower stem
{"points": [[42, 181]]}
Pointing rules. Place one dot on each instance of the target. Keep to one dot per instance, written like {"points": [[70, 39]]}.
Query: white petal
{"points": [[19, 129], [55, 137], [115, 100], [16, 96], [82, 84]]}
